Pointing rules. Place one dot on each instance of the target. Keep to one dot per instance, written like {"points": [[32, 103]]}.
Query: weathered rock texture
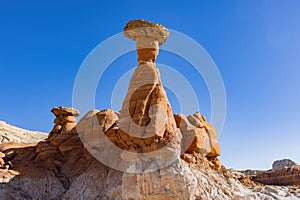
{"points": [[146, 122], [281, 164], [148, 37], [9, 133], [199, 137], [284, 172], [65, 119], [64, 169]]}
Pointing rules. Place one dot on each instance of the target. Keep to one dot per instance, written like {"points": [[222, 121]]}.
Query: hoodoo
{"points": [[142, 152]]}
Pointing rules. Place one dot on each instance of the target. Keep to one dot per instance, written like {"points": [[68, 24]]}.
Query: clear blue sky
{"points": [[255, 44]]}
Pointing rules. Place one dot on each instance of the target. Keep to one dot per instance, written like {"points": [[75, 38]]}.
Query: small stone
{"points": [[188, 158], [65, 111], [10, 164], [136, 28]]}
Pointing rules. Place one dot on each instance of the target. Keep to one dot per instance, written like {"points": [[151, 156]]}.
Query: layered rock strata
{"points": [[283, 172], [146, 122]]}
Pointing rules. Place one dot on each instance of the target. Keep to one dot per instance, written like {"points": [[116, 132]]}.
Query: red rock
{"points": [[58, 121], [44, 146], [111, 134], [146, 113], [66, 127], [106, 119], [69, 119], [71, 143], [62, 168], [42, 156], [55, 130], [13, 145], [198, 144], [198, 135], [58, 139]]}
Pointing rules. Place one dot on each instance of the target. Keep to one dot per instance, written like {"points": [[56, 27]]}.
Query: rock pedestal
{"points": [[146, 121], [65, 119], [148, 37]]}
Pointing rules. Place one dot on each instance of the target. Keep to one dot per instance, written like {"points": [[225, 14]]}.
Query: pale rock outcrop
{"points": [[284, 172], [10, 133], [284, 163]]}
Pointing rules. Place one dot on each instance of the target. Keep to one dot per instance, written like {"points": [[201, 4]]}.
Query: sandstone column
{"points": [[146, 122]]}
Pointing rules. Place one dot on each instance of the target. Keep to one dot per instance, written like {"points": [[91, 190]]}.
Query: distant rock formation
{"points": [[284, 172], [9, 133], [283, 164]]}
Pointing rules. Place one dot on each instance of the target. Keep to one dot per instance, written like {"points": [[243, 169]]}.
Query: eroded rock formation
{"points": [[143, 152], [199, 137], [284, 163], [60, 167], [146, 122], [283, 172]]}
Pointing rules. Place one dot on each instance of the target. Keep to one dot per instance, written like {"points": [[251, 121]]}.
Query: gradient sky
{"points": [[255, 45]]}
